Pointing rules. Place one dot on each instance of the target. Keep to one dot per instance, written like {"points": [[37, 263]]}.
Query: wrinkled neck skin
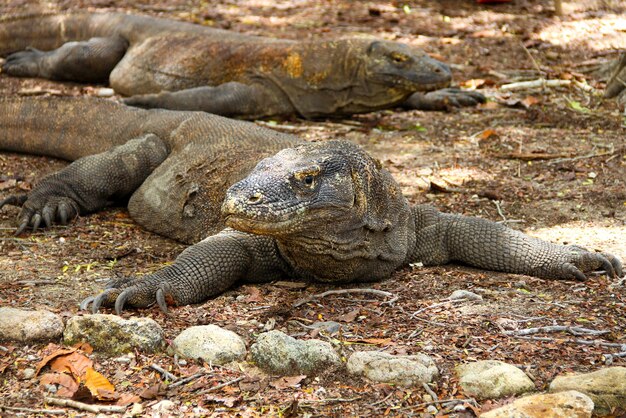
{"points": [[359, 248]]}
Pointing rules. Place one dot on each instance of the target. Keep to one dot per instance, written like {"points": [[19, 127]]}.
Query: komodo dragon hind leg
{"points": [[88, 61], [444, 99], [231, 99]]}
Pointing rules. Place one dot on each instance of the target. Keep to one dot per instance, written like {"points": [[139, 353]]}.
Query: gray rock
{"points": [[606, 387], [211, 343], [490, 379], [464, 294], [278, 353], [570, 404], [28, 373], [400, 370], [112, 335], [29, 326], [329, 326]]}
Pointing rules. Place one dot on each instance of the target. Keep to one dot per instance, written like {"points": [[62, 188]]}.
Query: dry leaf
{"points": [[50, 357], [228, 401], [487, 133], [375, 341], [287, 382], [127, 399], [350, 316], [153, 391], [8, 184], [74, 363], [67, 386], [98, 385], [528, 101]]}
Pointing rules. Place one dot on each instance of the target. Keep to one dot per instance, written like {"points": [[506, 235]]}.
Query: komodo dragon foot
{"points": [[38, 207], [24, 63], [444, 99]]}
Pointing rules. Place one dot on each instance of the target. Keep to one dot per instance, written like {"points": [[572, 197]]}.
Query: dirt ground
{"points": [[551, 162]]}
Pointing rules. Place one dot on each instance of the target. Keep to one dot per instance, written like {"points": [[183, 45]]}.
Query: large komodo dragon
{"points": [[182, 66], [324, 211]]}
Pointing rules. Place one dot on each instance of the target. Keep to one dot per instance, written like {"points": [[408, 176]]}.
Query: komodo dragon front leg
{"points": [[444, 99], [444, 238], [89, 183], [231, 99], [203, 270], [88, 61]]}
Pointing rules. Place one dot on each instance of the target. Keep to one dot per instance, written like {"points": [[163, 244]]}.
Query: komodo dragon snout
{"points": [[301, 188]]}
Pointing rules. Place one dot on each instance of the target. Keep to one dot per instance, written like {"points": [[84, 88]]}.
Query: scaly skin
{"points": [[322, 211], [181, 66]]}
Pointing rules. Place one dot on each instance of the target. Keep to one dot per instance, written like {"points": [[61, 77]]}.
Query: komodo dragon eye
{"points": [[307, 177], [398, 57]]}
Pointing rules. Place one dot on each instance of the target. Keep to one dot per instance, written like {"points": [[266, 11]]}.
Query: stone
{"points": [[280, 354], [113, 335], [210, 343], [606, 387], [489, 379], [569, 404], [407, 371], [29, 326], [464, 294]]}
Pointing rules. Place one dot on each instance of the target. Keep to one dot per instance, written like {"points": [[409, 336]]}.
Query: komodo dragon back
{"points": [[182, 196]]}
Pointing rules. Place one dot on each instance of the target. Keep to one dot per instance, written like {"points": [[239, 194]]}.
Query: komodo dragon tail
{"points": [[67, 128]]}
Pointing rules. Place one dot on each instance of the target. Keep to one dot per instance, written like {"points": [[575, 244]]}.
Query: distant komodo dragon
{"points": [[323, 211], [181, 66]]}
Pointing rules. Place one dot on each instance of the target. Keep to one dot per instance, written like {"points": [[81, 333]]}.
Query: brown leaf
{"points": [[83, 346], [98, 385], [528, 101], [254, 294], [228, 401], [287, 382], [487, 133], [375, 341], [50, 357], [8, 184], [67, 386], [127, 399], [350, 316], [153, 391], [74, 363]]}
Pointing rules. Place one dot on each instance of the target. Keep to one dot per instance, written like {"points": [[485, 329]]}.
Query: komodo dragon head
{"points": [[394, 64], [330, 207]]}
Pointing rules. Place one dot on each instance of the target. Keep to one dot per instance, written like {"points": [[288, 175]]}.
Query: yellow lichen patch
{"points": [[293, 65]]}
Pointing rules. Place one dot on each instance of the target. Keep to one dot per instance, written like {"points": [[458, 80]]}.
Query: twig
{"points": [[608, 358], [532, 59], [33, 411], [580, 157], [442, 401], [428, 390], [221, 385], [167, 375], [521, 85], [383, 400], [577, 341], [187, 379], [499, 209], [436, 305], [84, 406], [329, 400], [557, 328], [344, 291]]}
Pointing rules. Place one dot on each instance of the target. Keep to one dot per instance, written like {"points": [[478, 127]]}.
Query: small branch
{"points": [[187, 379], [523, 85], [329, 400], [221, 385], [166, 375], [608, 358], [85, 407], [428, 390], [577, 341], [557, 328], [499, 209], [33, 411], [344, 291], [581, 157]]}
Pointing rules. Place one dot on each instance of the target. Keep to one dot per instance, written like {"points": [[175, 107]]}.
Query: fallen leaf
{"points": [[153, 391], [228, 401], [287, 382], [375, 341], [528, 101], [98, 385], [50, 357], [127, 399], [487, 133], [350, 316], [74, 363], [67, 386], [8, 184]]}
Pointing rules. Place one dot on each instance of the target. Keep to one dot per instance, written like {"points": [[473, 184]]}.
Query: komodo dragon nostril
{"points": [[255, 198]]}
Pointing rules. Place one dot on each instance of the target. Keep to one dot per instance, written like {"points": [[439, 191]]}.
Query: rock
{"points": [[570, 404], [464, 294], [606, 387], [329, 326], [210, 343], [28, 373], [29, 326], [278, 353], [490, 379], [112, 335], [400, 370], [105, 92]]}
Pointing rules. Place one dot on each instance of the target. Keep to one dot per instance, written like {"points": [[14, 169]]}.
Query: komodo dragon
{"points": [[193, 67], [324, 211]]}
